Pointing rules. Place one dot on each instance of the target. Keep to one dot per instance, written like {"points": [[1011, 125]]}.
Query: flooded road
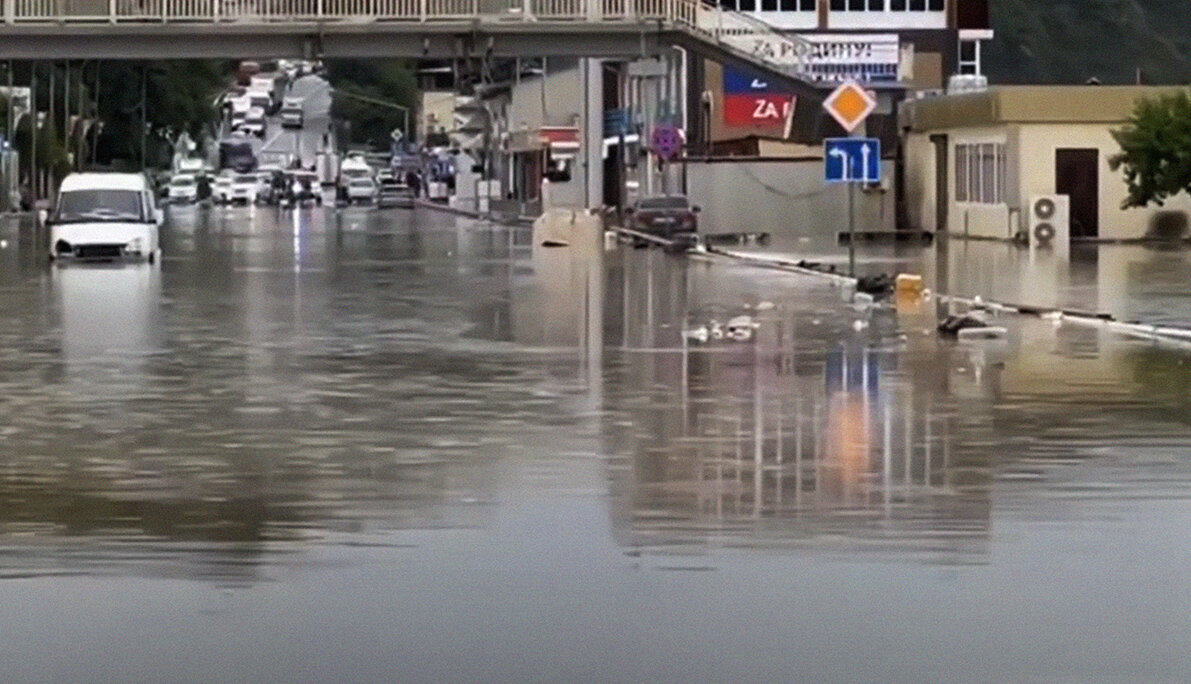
{"points": [[402, 446]]}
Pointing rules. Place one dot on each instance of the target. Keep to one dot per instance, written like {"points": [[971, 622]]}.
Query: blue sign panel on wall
{"points": [[743, 83]]}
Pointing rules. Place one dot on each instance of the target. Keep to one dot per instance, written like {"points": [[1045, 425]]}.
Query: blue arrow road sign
{"points": [[852, 160]]}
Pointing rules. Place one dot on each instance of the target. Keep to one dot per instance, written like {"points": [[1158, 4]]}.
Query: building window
{"points": [[969, 57], [980, 173], [776, 5], [890, 5]]}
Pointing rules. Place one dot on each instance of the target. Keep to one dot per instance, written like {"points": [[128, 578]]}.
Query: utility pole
{"points": [[144, 113], [82, 99], [33, 179], [95, 123], [66, 112], [51, 120], [8, 132]]}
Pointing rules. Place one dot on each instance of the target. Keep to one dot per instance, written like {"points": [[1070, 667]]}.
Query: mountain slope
{"points": [[1070, 41]]}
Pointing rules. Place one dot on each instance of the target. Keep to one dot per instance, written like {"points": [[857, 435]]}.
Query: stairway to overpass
{"points": [[158, 29]]}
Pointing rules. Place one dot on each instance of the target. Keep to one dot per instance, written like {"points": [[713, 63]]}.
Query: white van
{"points": [[104, 216]]}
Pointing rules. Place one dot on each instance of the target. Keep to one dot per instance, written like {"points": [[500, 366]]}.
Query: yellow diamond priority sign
{"points": [[850, 104]]}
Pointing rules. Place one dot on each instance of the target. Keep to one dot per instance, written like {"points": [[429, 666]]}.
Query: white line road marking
{"points": [[266, 146]]}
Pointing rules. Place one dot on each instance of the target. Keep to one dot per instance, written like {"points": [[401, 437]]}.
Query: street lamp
{"points": [[381, 103]]}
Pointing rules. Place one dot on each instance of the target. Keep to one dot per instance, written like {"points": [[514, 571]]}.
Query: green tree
{"points": [[51, 154], [179, 97], [1155, 150], [384, 80]]}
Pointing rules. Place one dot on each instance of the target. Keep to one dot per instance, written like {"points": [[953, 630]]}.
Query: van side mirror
{"points": [[43, 217]]}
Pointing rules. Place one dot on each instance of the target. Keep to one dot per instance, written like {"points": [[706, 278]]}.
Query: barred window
{"points": [[980, 173]]}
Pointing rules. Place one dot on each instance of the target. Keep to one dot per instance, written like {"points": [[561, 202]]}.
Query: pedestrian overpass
{"points": [[199, 29]]}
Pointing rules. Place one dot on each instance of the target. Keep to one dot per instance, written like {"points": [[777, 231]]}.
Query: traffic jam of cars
{"points": [[261, 105], [106, 216]]}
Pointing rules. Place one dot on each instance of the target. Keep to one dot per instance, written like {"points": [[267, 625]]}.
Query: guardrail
{"points": [[744, 34]]}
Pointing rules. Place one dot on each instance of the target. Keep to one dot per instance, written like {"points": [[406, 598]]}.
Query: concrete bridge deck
{"points": [[157, 29]]}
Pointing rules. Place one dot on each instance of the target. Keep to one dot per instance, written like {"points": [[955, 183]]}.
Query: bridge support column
{"points": [[592, 135]]}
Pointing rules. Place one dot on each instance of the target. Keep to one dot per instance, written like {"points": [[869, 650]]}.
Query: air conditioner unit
{"points": [[1049, 222]]}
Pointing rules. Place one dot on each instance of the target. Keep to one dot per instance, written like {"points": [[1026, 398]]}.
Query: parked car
{"points": [[291, 113], [394, 193], [104, 216], [666, 216], [221, 189], [183, 189], [361, 191]]}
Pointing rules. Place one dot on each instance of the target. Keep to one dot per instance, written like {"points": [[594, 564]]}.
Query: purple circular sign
{"points": [[666, 142]]}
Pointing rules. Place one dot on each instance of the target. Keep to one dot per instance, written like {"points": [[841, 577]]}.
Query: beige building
{"points": [[436, 113], [974, 162]]}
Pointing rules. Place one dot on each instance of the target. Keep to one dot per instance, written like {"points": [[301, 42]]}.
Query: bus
{"points": [[237, 155]]}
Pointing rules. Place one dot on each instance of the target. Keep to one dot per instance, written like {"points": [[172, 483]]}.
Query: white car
{"points": [[190, 165], [104, 216], [260, 98], [221, 189], [244, 188], [291, 113], [183, 189], [254, 123], [361, 190]]}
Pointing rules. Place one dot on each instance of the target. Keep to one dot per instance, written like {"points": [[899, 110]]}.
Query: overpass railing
{"points": [[739, 32]]}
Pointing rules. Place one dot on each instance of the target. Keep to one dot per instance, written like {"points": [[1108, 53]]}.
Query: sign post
{"points": [[666, 142], [851, 160]]}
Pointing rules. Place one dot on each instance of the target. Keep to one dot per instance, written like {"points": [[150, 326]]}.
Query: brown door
{"points": [[1077, 175]]}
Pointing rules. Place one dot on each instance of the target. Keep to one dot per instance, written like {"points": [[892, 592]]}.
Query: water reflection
{"points": [[110, 318], [1132, 282], [202, 419], [398, 434], [855, 438]]}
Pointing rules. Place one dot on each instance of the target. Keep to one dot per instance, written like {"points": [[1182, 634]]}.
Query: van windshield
{"points": [[100, 205]]}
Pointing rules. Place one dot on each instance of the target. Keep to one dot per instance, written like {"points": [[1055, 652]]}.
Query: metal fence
{"points": [[738, 32]]}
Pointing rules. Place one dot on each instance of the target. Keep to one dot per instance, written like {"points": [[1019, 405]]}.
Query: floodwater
{"points": [[402, 446]]}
